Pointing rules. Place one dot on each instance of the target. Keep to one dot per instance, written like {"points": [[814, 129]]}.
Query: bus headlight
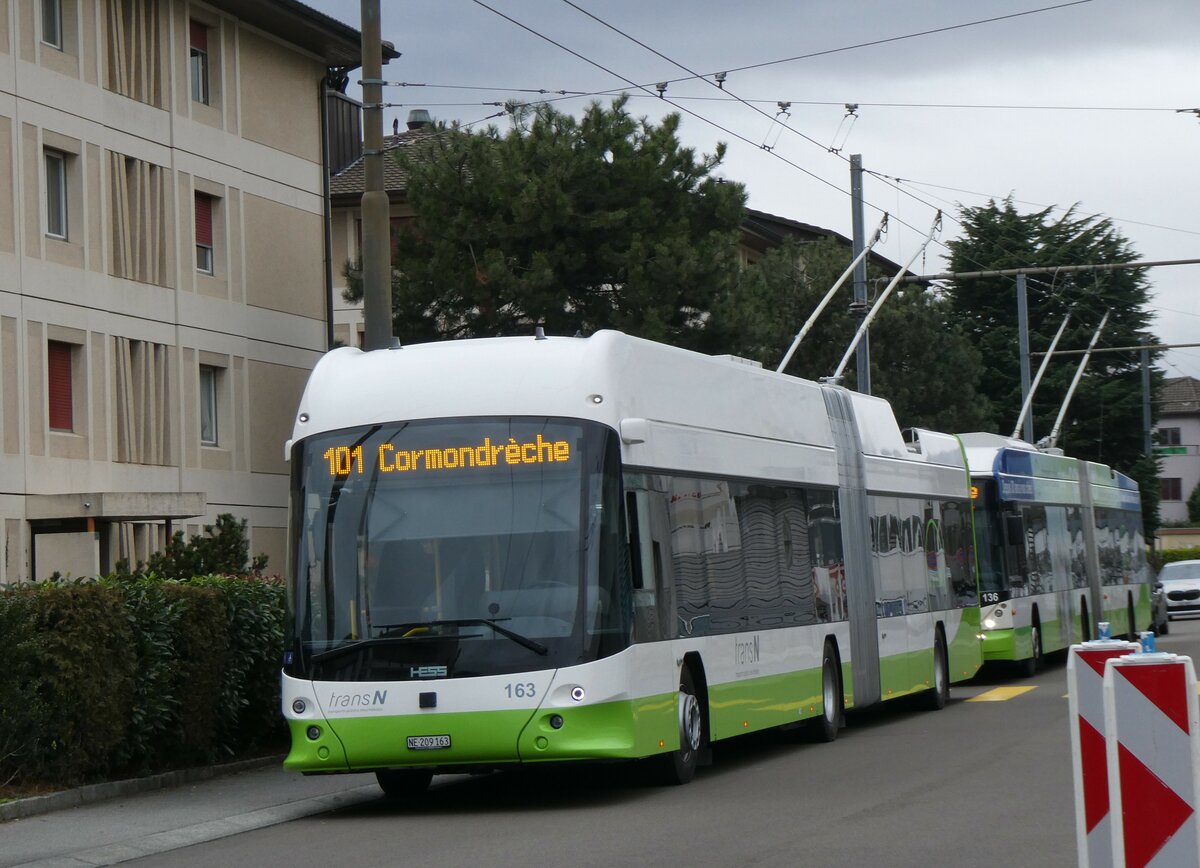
{"points": [[577, 693], [299, 706], [989, 623], [313, 733]]}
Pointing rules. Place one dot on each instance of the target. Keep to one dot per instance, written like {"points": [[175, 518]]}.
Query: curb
{"points": [[35, 805]]}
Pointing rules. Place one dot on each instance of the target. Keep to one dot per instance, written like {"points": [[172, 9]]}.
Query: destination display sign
{"points": [[354, 459]]}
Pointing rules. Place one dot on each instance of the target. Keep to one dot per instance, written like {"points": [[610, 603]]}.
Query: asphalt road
{"points": [[980, 783]]}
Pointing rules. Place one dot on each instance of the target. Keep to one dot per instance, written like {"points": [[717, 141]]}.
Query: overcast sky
{"points": [[1090, 91]]}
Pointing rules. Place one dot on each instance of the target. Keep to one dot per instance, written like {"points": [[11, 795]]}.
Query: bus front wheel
{"points": [[679, 766], [403, 784], [1031, 664]]}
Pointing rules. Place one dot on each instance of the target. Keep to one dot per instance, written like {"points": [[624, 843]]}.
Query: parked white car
{"points": [[1181, 584]]}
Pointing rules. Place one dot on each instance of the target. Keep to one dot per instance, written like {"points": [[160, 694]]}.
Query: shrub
{"points": [[133, 674]]}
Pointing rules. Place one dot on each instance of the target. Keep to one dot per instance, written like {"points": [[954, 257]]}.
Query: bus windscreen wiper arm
{"points": [[536, 647]]}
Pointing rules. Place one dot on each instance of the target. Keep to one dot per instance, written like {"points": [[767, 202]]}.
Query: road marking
{"points": [[999, 694]]}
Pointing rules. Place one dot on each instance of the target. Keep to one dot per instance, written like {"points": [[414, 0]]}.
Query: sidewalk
{"points": [[115, 822]]}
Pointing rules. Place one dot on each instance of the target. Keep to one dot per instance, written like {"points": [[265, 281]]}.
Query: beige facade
{"points": [[149, 379]]}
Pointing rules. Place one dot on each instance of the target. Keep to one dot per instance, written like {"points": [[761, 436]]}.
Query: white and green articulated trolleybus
{"points": [[1060, 549], [530, 550]]}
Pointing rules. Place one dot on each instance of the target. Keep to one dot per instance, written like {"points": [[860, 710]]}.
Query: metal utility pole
{"points": [[376, 246], [863, 358], [1147, 446], [1062, 411], [1023, 342]]}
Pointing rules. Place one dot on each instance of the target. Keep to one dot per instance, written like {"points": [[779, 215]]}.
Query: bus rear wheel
{"points": [[831, 696], [403, 785], [936, 697]]}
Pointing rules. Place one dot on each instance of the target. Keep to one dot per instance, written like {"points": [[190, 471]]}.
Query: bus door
{"points": [[649, 536]]}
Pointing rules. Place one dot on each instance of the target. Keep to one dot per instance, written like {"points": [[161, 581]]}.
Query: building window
{"points": [[60, 394], [1171, 488], [1168, 436], [208, 405], [204, 233], [56, 194], [199, 62], [52, 23]]}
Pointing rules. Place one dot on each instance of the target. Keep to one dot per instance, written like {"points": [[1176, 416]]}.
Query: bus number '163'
{"points": [[525, 690]]}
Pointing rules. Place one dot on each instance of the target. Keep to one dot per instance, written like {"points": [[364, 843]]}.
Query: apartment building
{"points": [[1177, 446], [163, 277]]}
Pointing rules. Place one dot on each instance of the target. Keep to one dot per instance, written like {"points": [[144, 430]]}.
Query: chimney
{"points": [[418, 118]]}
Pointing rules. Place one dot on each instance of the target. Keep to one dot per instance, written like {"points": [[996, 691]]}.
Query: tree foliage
{"points": [[1104, 419], [576, 225]]}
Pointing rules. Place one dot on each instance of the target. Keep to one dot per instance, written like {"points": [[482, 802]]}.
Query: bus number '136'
{"points": [[525, 690]]}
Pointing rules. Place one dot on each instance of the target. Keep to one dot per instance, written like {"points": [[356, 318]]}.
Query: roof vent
{"points": [[418, 118]]}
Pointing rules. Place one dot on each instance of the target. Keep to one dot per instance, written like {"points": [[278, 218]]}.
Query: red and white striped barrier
{"points": [[1089, 756], [1152, 725]]}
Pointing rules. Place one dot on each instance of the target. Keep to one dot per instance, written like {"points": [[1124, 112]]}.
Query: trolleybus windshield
{"points": [[455, 548]]}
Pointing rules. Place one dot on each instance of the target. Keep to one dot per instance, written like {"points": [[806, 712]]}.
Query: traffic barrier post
{"points": [[1089, 758], [1152, 725]]}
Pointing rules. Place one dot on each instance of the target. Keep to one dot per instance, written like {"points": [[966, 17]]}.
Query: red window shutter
{"points": [[58, 365], [204, 219], [199, 36]]}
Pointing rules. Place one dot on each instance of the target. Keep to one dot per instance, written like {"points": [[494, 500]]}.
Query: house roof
{"points": [[337, 44], [1180, 396], [346, 187], [773, 229]]}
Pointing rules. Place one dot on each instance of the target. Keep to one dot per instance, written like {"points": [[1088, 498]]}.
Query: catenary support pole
{"points": [[1147, 446], [376, 246], [1023, 341]]}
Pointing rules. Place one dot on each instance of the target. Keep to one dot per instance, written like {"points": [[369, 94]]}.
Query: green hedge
{"points": [[1171, 555], [129, 675]]}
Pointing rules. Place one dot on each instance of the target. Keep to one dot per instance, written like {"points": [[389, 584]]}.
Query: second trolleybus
{"points": [[1040, 517]]}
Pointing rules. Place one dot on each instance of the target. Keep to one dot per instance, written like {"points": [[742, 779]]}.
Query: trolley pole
{"points": [[862, 357], [376, 249]]}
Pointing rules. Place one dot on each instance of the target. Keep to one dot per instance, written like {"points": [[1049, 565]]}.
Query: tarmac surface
{"points": [[111, 823]]}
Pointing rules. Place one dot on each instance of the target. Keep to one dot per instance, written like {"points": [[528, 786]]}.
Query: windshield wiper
{"points": [[536, 647], [322, 656]]}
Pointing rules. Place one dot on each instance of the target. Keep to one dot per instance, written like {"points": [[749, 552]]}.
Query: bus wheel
{"points": [[679, 766], [1033, 662], [403, 784], [831, 696], [936, 697]]}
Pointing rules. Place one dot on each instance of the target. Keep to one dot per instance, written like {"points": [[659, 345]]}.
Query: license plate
{"points": [[428, 742]]}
